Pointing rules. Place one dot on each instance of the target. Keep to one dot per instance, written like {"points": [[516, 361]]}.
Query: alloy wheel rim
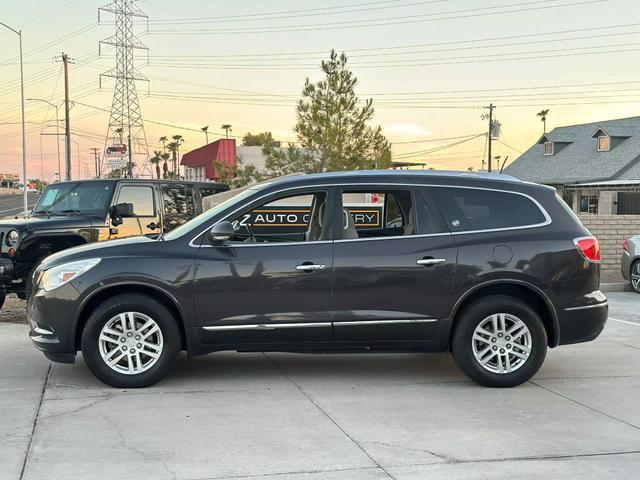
{"points": [[635, 277], [501, 343], [130, 343]]}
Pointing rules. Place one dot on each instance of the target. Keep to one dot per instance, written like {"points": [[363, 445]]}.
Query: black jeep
{"points": [[74, 213]]}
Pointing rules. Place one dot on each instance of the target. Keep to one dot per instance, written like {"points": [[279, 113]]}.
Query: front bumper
{"points": [[51, 321]]}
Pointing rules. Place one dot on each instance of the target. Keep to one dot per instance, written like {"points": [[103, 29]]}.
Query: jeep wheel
{"points": [[131, 341], [499, 341]]}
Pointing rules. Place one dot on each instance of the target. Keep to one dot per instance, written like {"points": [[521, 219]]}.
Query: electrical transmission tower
{"points": [[126, 140]]}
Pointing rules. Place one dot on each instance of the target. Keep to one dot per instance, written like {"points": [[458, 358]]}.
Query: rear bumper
{"points": [[583, 323], [625, 265]]}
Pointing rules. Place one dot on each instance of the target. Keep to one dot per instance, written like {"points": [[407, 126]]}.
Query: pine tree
{"points": [[333, 126]]}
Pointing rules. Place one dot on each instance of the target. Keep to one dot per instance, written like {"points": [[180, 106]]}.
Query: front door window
{"points": [[145, 219], [295, 218]]}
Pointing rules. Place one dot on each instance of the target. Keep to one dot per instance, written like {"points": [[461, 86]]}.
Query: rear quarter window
{"points": [[470, 209]]}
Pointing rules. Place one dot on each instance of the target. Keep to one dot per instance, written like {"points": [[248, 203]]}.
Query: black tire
{"points": [[2, 297], [474, 315], [131, 303], [635, 265]]}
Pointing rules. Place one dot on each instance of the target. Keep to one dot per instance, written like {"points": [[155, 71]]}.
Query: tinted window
{"points": [[207, 191], [296, 218], [140, 196], [467, 209], [179, 206], [376, 213]]}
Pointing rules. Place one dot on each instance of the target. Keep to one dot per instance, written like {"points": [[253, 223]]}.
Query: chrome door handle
{"points": [[310, 267], [427, 262]]}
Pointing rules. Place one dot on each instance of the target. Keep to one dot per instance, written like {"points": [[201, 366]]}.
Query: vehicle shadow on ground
{"points": [[244, 371]]}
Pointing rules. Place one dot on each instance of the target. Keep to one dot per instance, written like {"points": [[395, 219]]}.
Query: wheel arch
{"points": [[524, 291], [29, 249], [101, 295]]}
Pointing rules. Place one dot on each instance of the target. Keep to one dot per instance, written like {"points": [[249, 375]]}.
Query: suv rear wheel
{"points": [[131, 341], [499, 341]]}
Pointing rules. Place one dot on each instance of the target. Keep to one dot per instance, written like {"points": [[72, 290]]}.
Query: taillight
{"points": [[625, 246], [588, 247]]}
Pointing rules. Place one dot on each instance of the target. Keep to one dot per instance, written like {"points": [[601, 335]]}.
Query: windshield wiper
{"points": [[71, 211], [42, 211]]}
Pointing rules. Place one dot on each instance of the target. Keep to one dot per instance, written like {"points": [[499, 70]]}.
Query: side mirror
{"points": [[221, 232], [120, 210]]}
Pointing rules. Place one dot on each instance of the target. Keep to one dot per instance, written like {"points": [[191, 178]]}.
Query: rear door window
{"points": [[179, 205], [470, 209]]}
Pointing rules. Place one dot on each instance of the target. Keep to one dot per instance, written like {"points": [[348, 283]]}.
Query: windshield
{"points": [[203, 218], [75, 198]]}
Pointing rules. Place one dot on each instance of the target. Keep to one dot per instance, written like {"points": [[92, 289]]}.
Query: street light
{"points": [[24, 138], [57, 125]]}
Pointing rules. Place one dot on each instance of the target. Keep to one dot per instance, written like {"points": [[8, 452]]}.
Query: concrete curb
{"points": [[616, 287]]}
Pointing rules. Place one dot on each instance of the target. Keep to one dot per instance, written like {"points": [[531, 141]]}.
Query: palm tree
{"points": [[205, 129], [227, 128], [155, 160], [543, 118], [178, 140], [173, 148], [163, 140], [165, 168]]}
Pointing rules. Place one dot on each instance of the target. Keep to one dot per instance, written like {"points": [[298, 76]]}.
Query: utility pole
{"points": [[490, 117], [95, 161], [67, 122]]}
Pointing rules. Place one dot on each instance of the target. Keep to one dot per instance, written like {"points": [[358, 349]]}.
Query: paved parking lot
{"points": [[287, 416]]}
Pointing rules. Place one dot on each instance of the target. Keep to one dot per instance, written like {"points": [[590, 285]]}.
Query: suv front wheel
{"points": [[499, 341], [131, 341]]}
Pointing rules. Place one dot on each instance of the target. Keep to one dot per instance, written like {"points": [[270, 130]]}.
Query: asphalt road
{"points": [[336, 417], [11, 205]]}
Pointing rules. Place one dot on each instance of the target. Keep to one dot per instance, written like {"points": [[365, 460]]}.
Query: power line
{"points": [[437, 139], [439, 61], [269, 16], [410, 49], [428, 17]]}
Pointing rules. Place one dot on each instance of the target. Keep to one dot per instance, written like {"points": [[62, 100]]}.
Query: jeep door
{"points": [[394, 262], [146, 214], [271, 283]]}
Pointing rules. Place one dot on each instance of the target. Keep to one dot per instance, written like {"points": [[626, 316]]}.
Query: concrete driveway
{"points": [[287, 416]]}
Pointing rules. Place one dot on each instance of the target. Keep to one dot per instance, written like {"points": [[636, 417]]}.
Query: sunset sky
{"points": [[430, 66]]}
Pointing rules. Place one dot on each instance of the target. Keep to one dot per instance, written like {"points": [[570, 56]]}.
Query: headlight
{"points": [[12, 238], [58, 276]]}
